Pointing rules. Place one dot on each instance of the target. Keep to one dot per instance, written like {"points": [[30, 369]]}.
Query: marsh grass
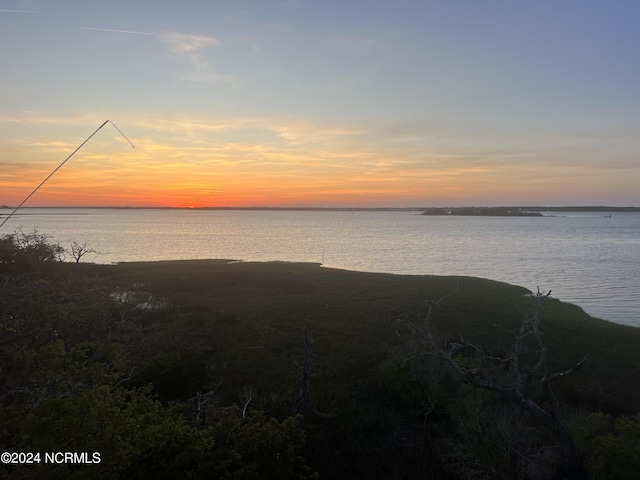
{"points": [[252, 317], [234, 325]]}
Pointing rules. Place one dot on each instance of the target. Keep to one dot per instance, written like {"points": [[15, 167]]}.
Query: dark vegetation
{"points": [[218, 369]]}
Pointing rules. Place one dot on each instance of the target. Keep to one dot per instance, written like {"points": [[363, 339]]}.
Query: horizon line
{"points": [[406, 208]]}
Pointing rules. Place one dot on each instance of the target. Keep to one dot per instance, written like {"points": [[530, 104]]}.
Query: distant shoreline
{"points": [[485, 211], [533, 211], [528, 211]]}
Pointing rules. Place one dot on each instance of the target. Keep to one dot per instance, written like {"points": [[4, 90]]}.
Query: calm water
{"points": [[585, 258]]}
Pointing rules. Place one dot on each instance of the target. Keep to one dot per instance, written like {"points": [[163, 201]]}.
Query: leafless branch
{"points": [[202, 404], [515, 384], [246, 396], [79, 250], [126, 379]]}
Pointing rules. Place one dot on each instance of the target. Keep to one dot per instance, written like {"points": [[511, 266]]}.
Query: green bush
{"points": [[611, 444]]}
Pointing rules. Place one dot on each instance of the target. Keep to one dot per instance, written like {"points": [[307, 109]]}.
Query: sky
{"points": [[303, 103]]}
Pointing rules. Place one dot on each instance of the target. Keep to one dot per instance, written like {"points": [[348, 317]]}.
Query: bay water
{"points": [[585, 258]]}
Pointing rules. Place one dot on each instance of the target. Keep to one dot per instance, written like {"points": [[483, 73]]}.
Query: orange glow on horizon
{"points": [[262, 192], [244, 111], [291, 165]]}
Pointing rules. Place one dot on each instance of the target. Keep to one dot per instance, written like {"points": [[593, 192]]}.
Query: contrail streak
{"points": [[115, 31], [18, 11], [60, 166]]}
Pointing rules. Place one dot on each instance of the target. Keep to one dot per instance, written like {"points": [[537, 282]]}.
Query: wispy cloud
{"points": [[186, 43], [81, 120], [300, 133], [113, 30], [191, 46]]}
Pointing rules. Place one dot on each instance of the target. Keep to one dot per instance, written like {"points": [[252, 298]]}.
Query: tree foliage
{"points": [[27, 252], [68, 352]]}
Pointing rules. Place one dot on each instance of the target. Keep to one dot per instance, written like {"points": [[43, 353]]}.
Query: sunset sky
{"points": [[359, 103]]}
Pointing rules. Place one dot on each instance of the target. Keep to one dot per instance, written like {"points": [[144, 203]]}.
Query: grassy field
{"points": [[249, 329]]}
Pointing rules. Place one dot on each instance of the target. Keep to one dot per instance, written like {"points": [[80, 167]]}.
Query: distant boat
{"points": [[607, 216]]}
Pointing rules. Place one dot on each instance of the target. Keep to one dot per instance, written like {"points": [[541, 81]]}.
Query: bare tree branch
{"points": [[246, 396], [202, 404], [79, 250], [514, 385]]}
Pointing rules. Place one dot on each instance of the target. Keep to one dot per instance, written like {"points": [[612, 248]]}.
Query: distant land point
{"points": [[520, 211]]}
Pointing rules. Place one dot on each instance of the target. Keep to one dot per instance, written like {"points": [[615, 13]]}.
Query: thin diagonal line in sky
{"points": [[18, 11], [113, 30]]}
